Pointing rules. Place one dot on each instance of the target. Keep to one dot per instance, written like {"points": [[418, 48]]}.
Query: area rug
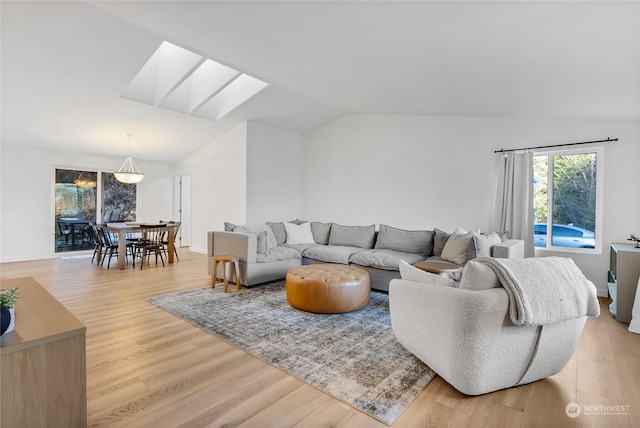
{"points": [[353, 357]]}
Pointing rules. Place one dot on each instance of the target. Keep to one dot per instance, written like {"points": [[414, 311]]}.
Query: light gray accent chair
{"points": [[466, 336]]}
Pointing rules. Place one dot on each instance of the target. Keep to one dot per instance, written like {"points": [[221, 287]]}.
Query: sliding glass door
{"points": [[75, 208]]}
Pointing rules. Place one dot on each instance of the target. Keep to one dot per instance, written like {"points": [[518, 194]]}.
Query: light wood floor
{"points": [[147, 368]]}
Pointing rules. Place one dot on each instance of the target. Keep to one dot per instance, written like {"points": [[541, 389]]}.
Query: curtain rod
{"points": [[556, 145]]}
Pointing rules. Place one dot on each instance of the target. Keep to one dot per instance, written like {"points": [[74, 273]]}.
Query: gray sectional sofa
{"points": [[268, 251]]}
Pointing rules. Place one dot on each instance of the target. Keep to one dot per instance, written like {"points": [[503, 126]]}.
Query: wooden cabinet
{"points": [[624, 270], [43, 363]]}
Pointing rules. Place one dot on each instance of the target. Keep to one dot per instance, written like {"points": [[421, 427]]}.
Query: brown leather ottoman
{"points": [[328, 288]]}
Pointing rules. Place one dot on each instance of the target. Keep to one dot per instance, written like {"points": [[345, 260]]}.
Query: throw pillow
{"points": [[278, 231], [228, 227], [406, 241], [456, 249], [257, 228], [480, 245], [321, 232], [262, 242], [298, 233], [352, 236], [412, 273], [478, 276], [439, 240]]}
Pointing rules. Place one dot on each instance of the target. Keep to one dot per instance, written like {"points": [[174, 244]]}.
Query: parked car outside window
{"points": [[564, 235]]}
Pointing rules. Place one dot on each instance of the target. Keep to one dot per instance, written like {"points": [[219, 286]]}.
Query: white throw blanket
{"points": [[544, 290]]}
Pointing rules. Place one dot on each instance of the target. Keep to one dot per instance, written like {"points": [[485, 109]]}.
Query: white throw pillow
{"points": [[482, 243], [298, 233], [412, 273], [478, 276], [456, 249]]}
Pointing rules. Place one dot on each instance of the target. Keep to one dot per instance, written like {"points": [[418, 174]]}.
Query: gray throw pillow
{"points": [[228, 227], [406, 241], [352, 236], [321, 232], [440, 239], [278, 231], [262, 242]]}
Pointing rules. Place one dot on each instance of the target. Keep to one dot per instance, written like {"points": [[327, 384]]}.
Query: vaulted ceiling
{"points": [[66, 64]]}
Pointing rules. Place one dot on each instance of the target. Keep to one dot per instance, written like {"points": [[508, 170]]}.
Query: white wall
{"points": [[251, 174], [218, 185], [426, 172], [274, 174], [27, 228]]}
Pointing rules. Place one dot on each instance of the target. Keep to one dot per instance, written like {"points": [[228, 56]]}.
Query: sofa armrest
{"points": [[509, 249], [242, 245]]}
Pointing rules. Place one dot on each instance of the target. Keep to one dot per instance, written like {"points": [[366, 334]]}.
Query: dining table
{"points": [[76, 226], [121, 229]]}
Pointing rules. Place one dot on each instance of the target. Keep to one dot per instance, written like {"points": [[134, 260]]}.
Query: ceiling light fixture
{"points": [[85, 180], [129, 172]]}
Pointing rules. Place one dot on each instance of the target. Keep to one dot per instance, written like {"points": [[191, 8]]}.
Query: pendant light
{"points": [[129, 172]]}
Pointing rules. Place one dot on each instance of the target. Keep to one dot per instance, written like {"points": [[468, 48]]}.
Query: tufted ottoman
{"points": [[328, 288]]}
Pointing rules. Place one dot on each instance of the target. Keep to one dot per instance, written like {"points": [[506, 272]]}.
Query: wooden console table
{"points": [[43, 363]]}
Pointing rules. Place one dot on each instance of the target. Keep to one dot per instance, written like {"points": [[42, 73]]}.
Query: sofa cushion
{"points": [[298, 233], [384, 259], [278, 231], [406, 241], [228, 227], [277, 254], [321, 232], [257, 228], [481, 243], [456, 249], [331, 253], [412, 273], [478, 276], [352, 236], [300, 248], [439, 241]]}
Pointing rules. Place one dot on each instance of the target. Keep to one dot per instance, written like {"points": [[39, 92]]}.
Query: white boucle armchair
{"points": [[468, 339]]}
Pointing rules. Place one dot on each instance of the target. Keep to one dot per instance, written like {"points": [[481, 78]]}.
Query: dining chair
{"points": [[150, 243], [100, 244], [64, 231], [165, 242], [110, 245], [115, 215]]}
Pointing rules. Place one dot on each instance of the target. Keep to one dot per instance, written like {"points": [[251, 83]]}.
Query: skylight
{"points": [[180, 80]]}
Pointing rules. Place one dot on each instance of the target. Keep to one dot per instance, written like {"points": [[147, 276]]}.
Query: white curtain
{"points": [[514, 199]]}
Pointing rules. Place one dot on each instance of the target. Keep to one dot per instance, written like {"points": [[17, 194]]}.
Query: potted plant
{"points": [[8, 298]]}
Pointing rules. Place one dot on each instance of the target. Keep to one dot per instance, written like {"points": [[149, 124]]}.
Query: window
{"points": [[568, 200], [118, 199]]}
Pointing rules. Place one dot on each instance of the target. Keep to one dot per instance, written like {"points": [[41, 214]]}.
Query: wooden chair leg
{"points": [[224, 275], [214, 274], [236, 269]]}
